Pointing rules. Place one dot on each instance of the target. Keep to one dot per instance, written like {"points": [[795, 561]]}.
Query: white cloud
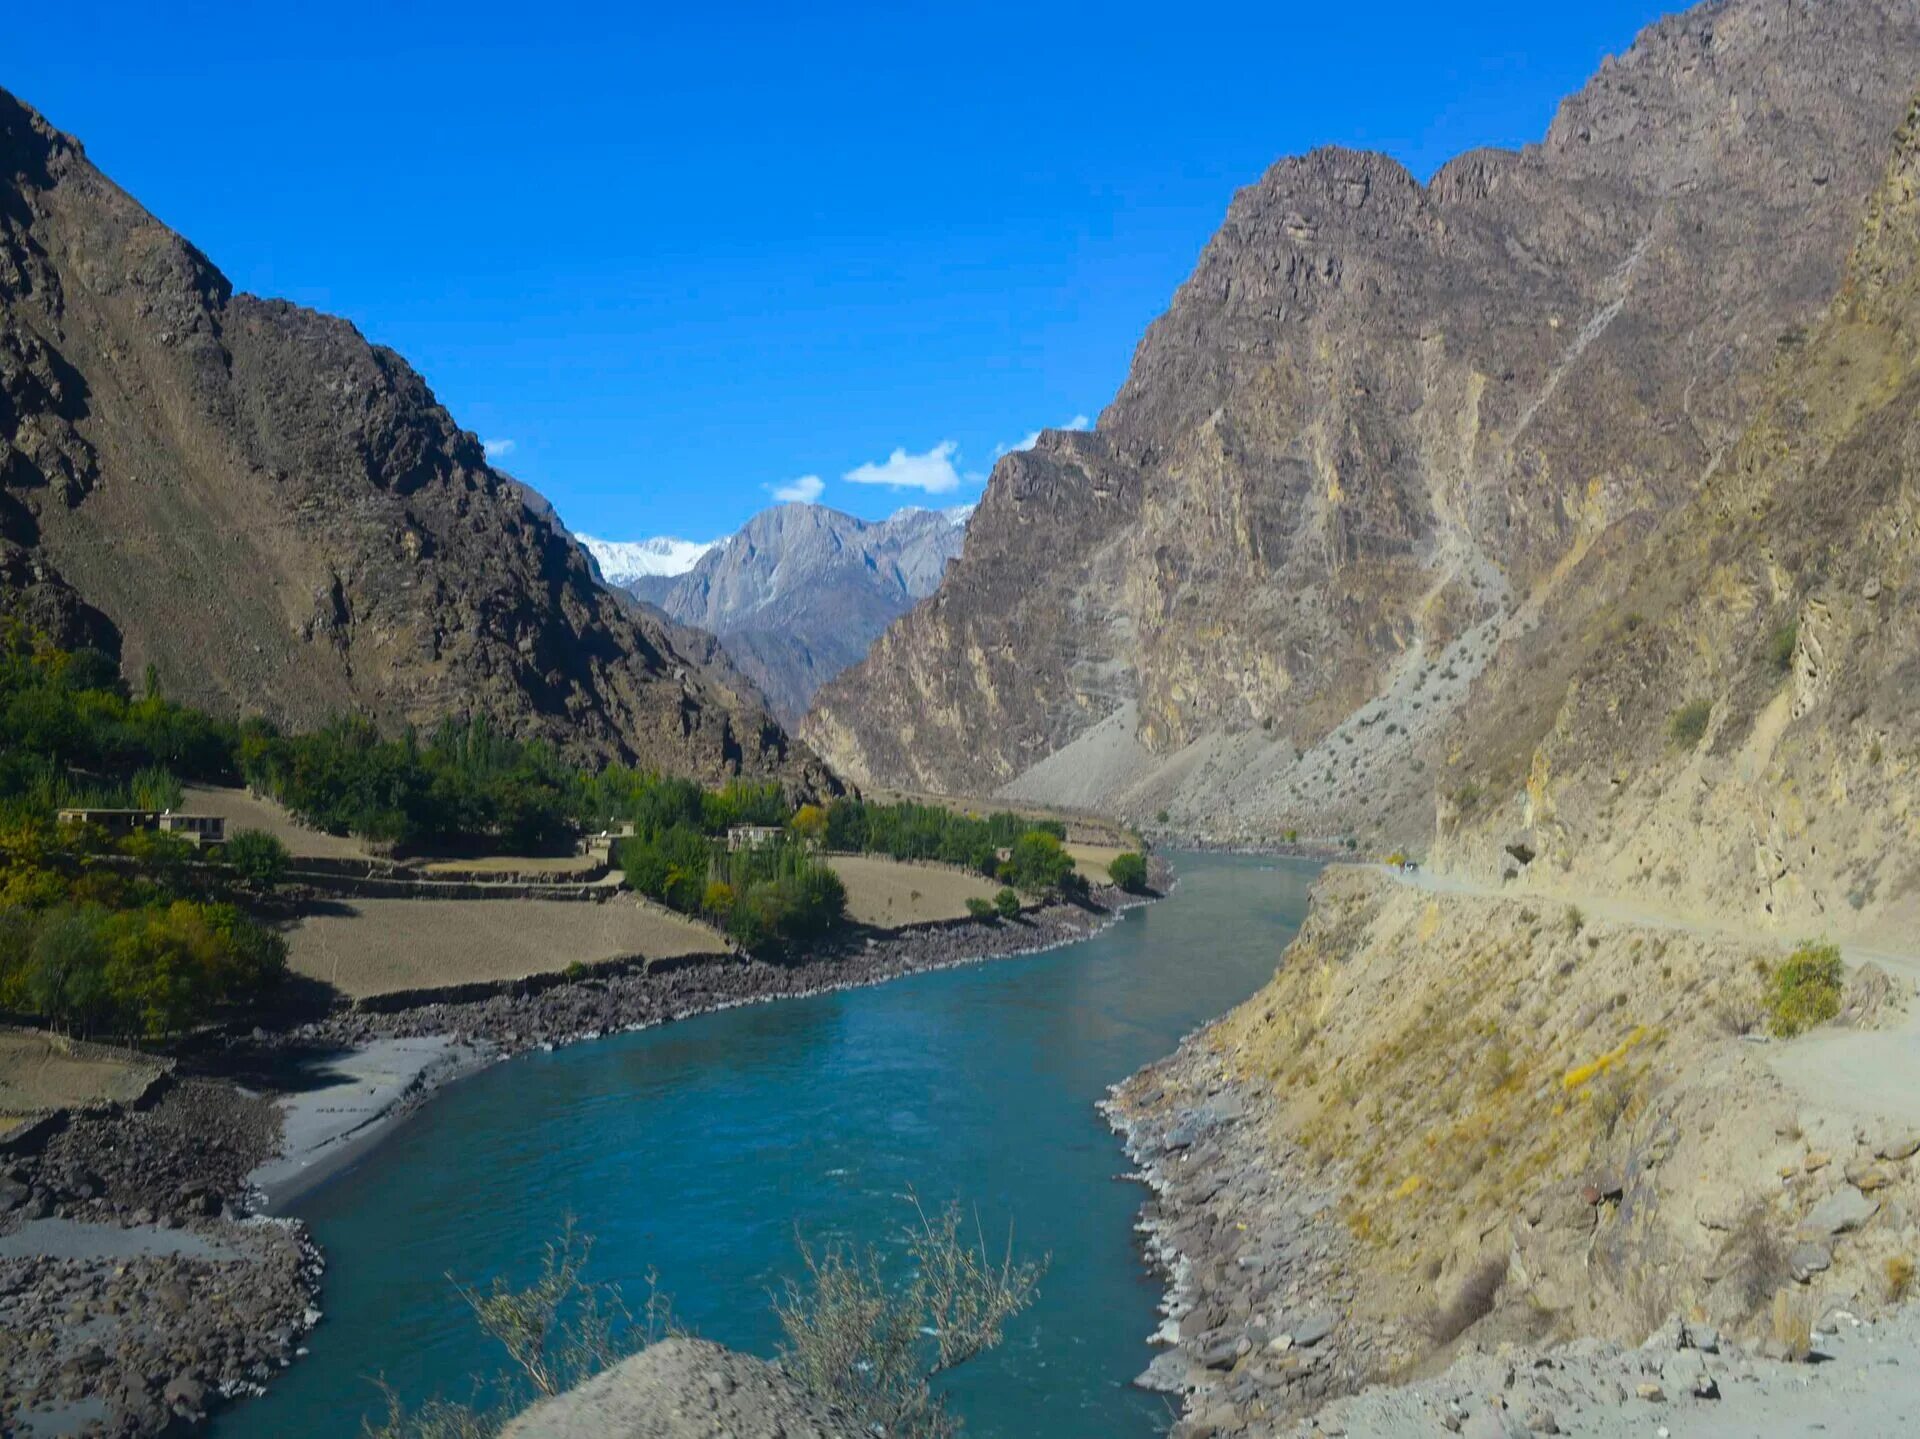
{"points": [[933, 472], [803, 491], [1078, 422], [497, 449]]}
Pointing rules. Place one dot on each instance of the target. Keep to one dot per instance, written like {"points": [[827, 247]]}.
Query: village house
{"points": [[196, 829], [752, 836]]}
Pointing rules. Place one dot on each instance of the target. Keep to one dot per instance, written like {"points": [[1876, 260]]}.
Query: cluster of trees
{"points": [[765, 896], [126, 938], [925, 831], [71, 735], [466, 785], [470, 787]]}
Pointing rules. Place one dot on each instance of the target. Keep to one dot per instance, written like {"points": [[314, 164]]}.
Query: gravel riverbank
{"points": [[139, 1282], [1256, 1328]]}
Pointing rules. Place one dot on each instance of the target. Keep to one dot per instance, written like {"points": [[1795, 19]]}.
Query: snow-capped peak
{"points": [[623, 560]]}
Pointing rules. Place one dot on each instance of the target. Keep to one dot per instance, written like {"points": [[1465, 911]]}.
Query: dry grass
{"points": [[41, 1071], [1093, 859], [377, 946], [1754, 1259], [1792, 1324], [887, 893]]}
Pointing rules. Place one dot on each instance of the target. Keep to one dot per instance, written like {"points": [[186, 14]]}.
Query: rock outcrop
{"points": [[684, 1389], [1378, 426], [801, 591], [280, 519], [1733, 728]]}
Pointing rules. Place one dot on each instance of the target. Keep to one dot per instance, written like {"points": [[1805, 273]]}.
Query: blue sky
{"points": [[684, 258]]}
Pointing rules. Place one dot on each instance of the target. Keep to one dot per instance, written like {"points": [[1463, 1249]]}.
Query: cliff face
{"points": [[1736, 730], [279, 517], [1378, 421], [1530, 1082], [802, 591]]}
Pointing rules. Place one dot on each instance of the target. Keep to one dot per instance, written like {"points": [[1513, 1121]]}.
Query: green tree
{"points": [[1039, 862], [258, 858], [1007, 903], [1129, 871], [980, 908]]}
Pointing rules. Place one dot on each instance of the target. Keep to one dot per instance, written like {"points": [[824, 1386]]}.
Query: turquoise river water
{"points": [[698, 1149]]}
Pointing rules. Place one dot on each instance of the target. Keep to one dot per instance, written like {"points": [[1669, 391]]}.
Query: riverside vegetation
{"points": [[144, 935], [865, 1342]]}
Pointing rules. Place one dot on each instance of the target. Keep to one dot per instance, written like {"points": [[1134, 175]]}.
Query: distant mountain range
{"points": [[798, 594], [622, 561]]}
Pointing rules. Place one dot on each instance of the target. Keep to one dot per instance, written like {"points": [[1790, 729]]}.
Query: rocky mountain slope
{"points": [[1546, 1092], [1736, 729], [279, 518], [801, 591], [1376, 429]]}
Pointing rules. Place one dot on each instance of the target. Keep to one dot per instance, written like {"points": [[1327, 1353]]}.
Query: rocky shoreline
{"points": [[139, 1283], [1257, 1326]]}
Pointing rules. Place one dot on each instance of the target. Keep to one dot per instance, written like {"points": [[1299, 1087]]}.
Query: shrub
{"points": [[1039, 862], [257, 857], [1781, 646], [1129, 871], [1160, 817], [155, 787], [1899, 1277], [1792, 1325], [1007, 903], [1805, 990], [1687, 726], [870, 1347], [810, 823], [980, 909]]}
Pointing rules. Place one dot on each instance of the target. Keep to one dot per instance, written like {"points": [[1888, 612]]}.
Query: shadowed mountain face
{"points": [[280, 518], [1377, 428], [802, 591]]}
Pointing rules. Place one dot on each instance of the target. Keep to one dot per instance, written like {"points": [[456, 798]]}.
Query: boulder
{"points": [[1840, 1212]]}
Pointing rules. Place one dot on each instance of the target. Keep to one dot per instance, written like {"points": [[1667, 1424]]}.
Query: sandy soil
{"points": [[40, 1071], [343, 1102], [376, 946], [242, 810], [888, 893]]}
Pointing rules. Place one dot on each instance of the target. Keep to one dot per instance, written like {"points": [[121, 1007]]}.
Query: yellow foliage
{"points": [[1410, 1186], [1580, 1074]]}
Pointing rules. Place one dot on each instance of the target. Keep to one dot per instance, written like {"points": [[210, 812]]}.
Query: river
{"points": [[700, 1148]]}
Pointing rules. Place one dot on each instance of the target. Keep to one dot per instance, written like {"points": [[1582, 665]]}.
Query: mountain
{"points": [[1735, 729], [624, 561], [1379, 429], [280, 519], [802, 591]]}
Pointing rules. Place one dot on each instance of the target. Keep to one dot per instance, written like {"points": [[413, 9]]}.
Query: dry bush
{"points": [[1792, 1324], [1898, 1274], [1472, 1303], [1756, 1261]]}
